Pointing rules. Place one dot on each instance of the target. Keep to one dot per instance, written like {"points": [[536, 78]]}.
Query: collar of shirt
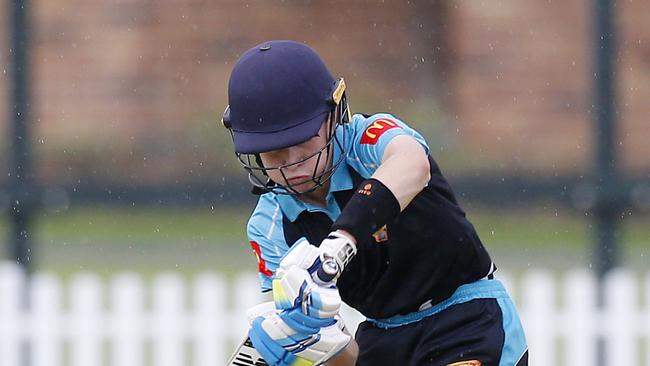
{"points": [[339, 181]]}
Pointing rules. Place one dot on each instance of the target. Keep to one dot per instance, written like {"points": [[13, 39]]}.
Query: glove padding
{"points": [[294, 286], [301, 254], [282, 345], [339, 247], [309, 257], [296, 289]]}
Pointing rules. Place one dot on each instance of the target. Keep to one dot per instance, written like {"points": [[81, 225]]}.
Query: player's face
{"points": [[299, 176]]}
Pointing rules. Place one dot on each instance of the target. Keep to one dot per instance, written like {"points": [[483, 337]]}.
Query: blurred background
{"points": [[537, 112]]}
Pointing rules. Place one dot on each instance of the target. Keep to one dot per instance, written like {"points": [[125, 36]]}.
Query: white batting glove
{"points": [[280, 344], [301, 254], [294, 288], [340, 247], [336, 245], [296, 283]]}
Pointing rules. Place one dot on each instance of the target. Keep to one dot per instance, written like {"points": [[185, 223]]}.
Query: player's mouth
{"points": [[298, 179]]}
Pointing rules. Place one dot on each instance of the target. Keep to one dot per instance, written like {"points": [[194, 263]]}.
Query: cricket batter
{"points": [[364, 191]]}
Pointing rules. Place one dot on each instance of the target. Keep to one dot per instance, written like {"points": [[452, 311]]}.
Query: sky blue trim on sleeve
{"points": [[403, 130], [265, 228], [514, 343], [366, 158]]}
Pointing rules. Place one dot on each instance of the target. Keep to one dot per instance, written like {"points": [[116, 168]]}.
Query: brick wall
{"points": [[634, 83], [522, 82], [133, 88]]}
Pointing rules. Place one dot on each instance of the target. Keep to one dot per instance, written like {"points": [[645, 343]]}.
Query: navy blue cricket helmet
{"points": [[280, 93]]}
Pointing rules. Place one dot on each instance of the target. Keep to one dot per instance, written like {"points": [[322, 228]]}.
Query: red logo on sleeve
{"points": [[261, 264], [376, 129]]}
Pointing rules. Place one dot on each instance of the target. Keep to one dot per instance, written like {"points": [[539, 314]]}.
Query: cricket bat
{"points": [[246, 355]]}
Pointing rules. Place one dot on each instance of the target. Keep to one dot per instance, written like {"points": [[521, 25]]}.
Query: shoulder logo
{"points": [[376, 129], [261, 264], [381, 235]]}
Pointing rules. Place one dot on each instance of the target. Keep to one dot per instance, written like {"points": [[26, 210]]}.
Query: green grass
{"points": [[524, 227], [149, 240], [126, 226]]}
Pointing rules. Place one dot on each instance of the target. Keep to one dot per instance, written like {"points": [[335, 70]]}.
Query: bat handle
{"points": [[327, 273]]}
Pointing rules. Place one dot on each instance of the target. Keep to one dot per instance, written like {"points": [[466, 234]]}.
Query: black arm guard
{"points": [[372, 206]]}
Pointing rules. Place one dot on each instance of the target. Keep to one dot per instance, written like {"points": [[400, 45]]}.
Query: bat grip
{"points": [[327, 272]]}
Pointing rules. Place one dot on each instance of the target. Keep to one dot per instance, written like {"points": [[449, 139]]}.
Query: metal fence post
{"points": [[24, 196], [22, 189], [609, 195]]}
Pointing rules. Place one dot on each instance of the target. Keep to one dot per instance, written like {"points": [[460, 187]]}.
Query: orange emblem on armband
{"points": [[376, 129], [366, 190], [261, 264]]}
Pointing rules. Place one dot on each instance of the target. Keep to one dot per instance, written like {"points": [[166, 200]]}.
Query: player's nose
{"points": [[294, 155]]}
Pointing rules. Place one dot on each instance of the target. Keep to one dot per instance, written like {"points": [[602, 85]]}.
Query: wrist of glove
{"points": [[277, 340], [336, 245], [339, 247], [296, 284]]}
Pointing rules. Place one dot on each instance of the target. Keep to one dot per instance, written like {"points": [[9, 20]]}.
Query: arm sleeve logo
{"points": [[261, 264], [376, 129], [366, 190]]}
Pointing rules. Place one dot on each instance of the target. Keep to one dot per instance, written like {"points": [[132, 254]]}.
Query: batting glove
{"points": [[338, 246], [281, 345], [295, 289]]}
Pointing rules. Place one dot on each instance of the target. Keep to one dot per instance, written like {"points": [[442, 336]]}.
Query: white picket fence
{"points": [[172, 320]]}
